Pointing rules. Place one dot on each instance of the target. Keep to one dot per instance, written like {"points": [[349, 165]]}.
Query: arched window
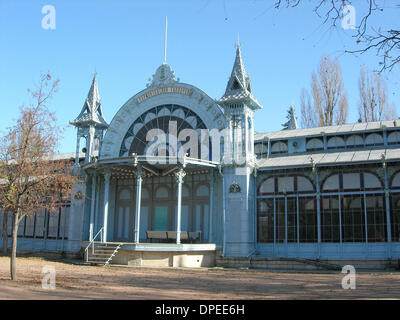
{"points": [[279, 147], [336, 142], [162, 193], [374, 139], [354, 141], [268, 186], [331, 183], [394, 137], [202, 191], [125, 194], [315, 144], [396, 181], [145, 194], [286, 184]]}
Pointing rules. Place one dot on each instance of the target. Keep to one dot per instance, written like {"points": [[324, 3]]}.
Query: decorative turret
{"points": [[239, 106], [90, 123]]}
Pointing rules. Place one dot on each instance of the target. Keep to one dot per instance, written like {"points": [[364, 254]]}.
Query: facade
{"points": [[327, 193]]}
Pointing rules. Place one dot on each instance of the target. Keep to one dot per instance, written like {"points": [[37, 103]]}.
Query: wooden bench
{"points": [[156, 235], [171, 235], [194, 236]]}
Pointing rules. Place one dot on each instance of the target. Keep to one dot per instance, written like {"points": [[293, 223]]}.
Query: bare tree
{"points": [[31, 179], [329, 105], [374, 104], [385, 43]]}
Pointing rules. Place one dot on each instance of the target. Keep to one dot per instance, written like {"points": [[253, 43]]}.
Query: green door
{"points": [[161, 218]]}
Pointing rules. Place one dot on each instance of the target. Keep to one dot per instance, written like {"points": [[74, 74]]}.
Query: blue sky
{"points": [[124, 41]]}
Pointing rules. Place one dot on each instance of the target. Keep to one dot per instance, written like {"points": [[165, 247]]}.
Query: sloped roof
{"points": [[341, 129], [330, 158], [91, 112], [239, 85]]}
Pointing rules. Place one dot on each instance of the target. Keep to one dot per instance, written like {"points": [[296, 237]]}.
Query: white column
{"points": [[211, 207], [92, 206], [180, 174], [106, 195], [139, 180], [78, 141]]}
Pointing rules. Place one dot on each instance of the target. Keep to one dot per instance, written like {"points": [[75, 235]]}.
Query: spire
{"points": [[291, 124], [239, 84], [165, 40], [91, 113]]}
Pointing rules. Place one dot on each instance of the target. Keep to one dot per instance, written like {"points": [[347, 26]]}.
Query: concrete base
{"points": [[164, 254], [193, 259], [295, 264]]}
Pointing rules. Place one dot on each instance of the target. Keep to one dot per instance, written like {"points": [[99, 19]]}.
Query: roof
{"points": [[238, 88], [91, 113], [330, 130], [330, 158]]}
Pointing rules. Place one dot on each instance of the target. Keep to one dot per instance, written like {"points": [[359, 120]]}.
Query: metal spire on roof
{"points": [[239, 84], [165, 40], [91, 113]]}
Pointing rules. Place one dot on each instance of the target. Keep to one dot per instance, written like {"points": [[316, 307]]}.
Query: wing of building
{"points": [[180, 179]]}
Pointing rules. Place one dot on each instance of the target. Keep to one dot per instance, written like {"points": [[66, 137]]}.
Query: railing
{"points": [[91, 243]]}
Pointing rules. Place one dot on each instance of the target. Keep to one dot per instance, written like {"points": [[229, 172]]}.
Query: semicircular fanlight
{"points": [[168, 119]]}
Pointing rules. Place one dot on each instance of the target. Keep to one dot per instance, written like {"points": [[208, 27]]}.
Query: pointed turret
{"points": [[91, 113], [90, 124], [238, 89]]}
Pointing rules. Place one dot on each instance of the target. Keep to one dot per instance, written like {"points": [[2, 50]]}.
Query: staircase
{"points": [[101, 253]]}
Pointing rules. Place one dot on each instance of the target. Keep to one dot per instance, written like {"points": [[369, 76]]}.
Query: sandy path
{"points": [[88, 282]]}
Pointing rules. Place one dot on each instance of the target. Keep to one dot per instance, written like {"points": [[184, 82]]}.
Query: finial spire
{"points": [[238, 45], [165, 40]]}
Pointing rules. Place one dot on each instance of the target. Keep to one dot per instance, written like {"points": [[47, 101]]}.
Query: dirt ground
{"points": [[91, 282]]}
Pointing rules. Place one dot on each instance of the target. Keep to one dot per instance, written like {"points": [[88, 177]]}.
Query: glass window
{"points": [[374, 139], [162, 193], [279, 147], [315, 144], [331, 183], [354, 141], [371, 181], [395, 216], [304, 184], [266, 220], [353, 219], [285, 184], [376, 218], [268, 186], [394, 137], [308, 230], [351, 181], [330, 220], [52, 227], [336, 142]]}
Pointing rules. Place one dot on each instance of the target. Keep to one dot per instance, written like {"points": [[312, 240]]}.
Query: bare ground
{"points": [[90, 282]]}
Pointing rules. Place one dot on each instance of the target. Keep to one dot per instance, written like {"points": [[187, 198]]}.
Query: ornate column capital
{"points": [[179, 175]]}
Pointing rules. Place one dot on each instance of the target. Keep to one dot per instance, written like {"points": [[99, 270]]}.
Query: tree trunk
{"points": [[4, 232], [13, 259]]}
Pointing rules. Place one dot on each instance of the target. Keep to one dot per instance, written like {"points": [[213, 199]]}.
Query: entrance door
{"points": [[160, 218]]}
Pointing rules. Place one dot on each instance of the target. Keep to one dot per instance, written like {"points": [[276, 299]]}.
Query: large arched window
{"points": [[286, 185], [345, 203], [172, 122], [292, 212]]}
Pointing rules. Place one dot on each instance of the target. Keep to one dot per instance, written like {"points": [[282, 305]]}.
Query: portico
{"points": [[139, 201]]}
